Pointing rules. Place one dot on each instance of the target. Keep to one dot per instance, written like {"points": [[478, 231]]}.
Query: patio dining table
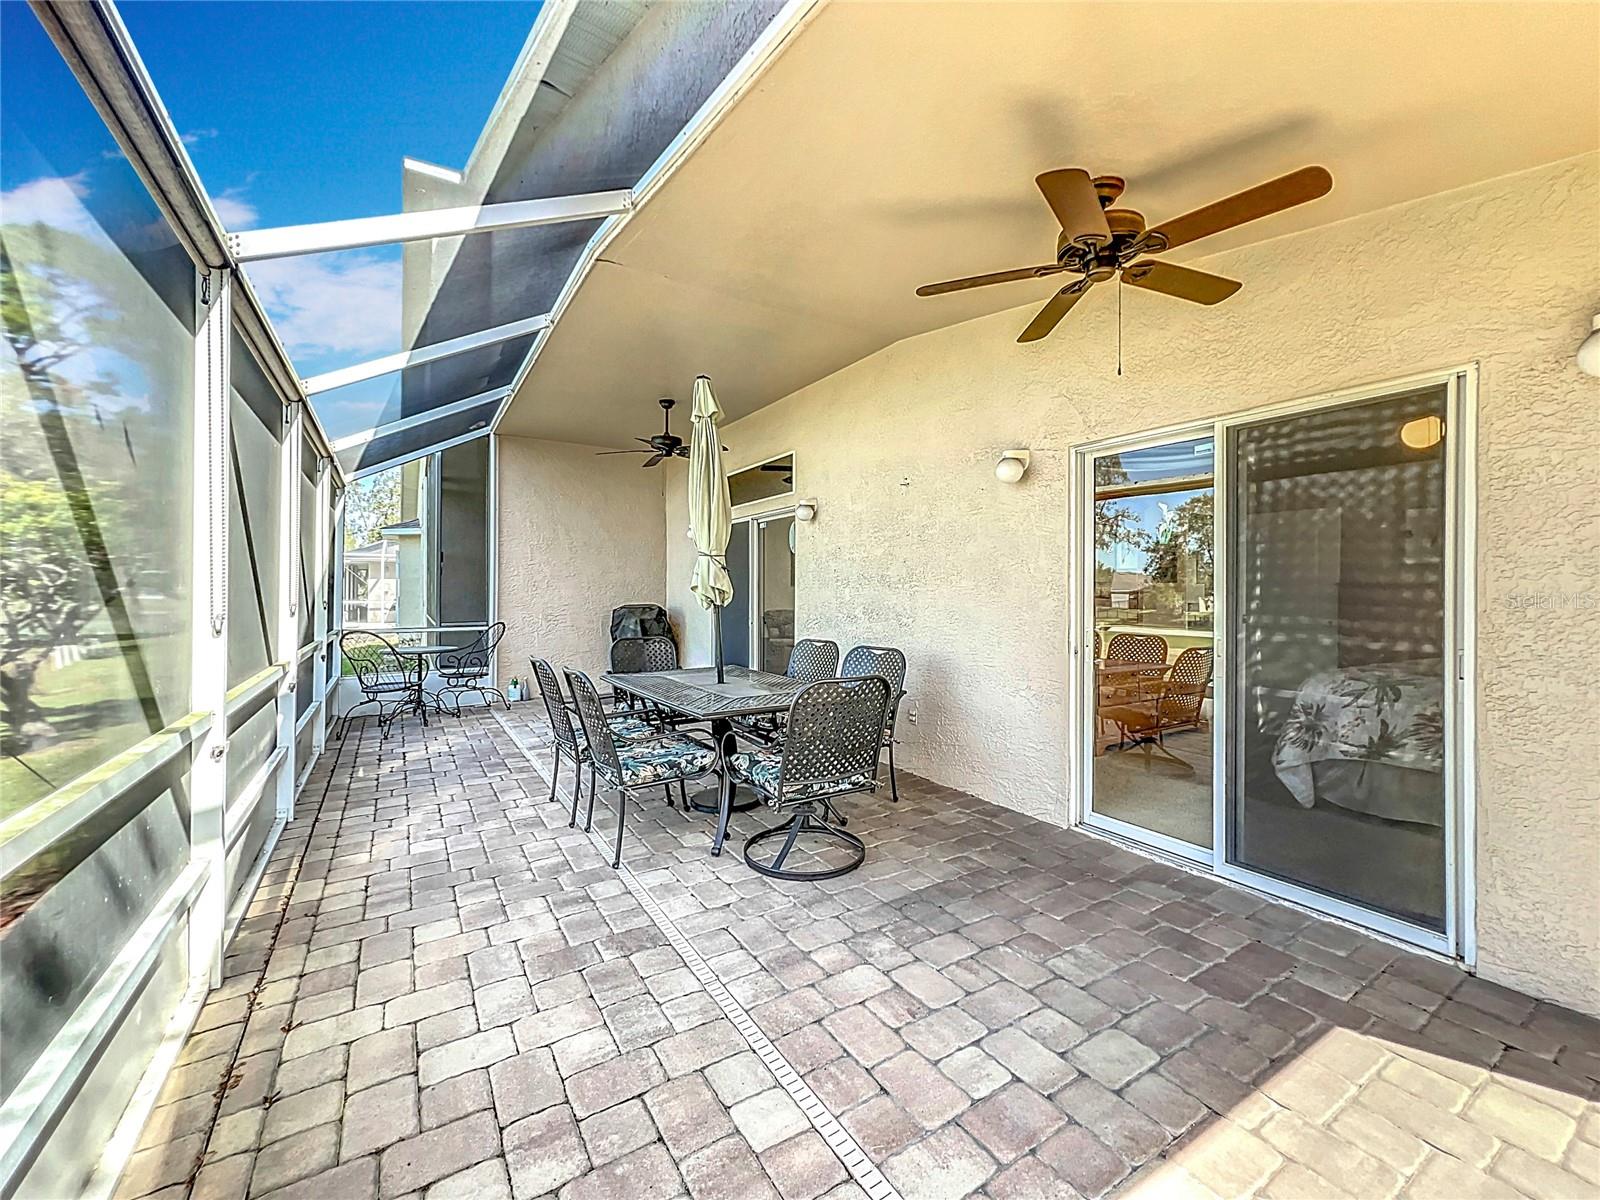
{"points": [[695, 693], [417, 702]]}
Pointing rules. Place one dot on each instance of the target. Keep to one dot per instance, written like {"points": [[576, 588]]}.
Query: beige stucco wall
{"points": [[579, 534], [918, 545]]}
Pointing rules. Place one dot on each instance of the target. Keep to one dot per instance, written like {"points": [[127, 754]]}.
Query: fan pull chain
{"points": [[1119, 324]]}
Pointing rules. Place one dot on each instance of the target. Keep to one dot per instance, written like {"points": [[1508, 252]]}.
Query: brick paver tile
{"points": [[803, 1167], [618, 1130], [543, 1152], [378, 1117], [1012, 1121], [688, 1114], [919, 1088], [768, 1118], [1082, 1160], [726, 1170], [1113, 1058], [1521, 1120], [525, 1084]]}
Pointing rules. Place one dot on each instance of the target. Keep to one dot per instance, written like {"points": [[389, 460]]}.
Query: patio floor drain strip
{"points": [[862, 1169]]}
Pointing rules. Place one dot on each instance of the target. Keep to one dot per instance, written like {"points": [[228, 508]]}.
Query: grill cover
{"points": [[640, 620]]}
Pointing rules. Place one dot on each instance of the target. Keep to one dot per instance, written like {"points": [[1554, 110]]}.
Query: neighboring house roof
{"points": [[402, 528], [1128, 581]]}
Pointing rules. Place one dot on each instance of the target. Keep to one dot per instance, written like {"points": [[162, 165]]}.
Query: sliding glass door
{"points": [[1269, 633], [1337, 595], [758, 625]]}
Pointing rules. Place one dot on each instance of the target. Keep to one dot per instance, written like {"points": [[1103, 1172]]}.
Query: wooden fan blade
{"points": [[973, 281], [650, 462], [1071, 196], [646, 442], [1057, 307], [1183, 282], [1249, 205], [599, 453]]}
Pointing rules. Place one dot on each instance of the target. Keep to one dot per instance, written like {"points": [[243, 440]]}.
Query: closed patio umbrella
{"points": [[710, 514]]}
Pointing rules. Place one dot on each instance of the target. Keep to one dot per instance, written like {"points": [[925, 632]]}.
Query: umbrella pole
{"points": [[716, 634]]}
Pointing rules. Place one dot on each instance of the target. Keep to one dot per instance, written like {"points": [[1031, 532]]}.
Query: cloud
{"points": [[344, 305], [235, 211], [52, 200], [196, 135]]}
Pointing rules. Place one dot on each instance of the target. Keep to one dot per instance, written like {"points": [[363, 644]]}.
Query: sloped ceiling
{"points": [[895, 144]]}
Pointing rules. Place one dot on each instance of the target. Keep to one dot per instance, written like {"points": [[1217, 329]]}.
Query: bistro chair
{"points": [[831, 750], [380, 673], [467, 670], [568, 738], [627, 766], [1147, 722], [1133, 648], [891, 664], [811, 660]]}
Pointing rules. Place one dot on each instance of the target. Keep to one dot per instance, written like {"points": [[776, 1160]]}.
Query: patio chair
{"points": [[811, 660], [627, 766], [1147, 722], [380, 673], [832, 750], [568, 738], [467, 669], [632, 655], [891, 664], [1133, 648]]}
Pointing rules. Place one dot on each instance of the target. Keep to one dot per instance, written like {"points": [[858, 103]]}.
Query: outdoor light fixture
{"points": [[805, 510], [1589, 351], [1422, 433], [1013, 465]]}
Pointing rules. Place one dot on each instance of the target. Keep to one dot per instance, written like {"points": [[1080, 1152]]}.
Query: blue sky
{"points": [[316, 105]]}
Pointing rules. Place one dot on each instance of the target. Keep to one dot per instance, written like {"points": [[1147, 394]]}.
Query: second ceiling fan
{"points": [[1098, 243]]}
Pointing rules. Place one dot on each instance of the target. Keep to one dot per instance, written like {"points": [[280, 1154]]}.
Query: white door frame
{"points": [[1459, 938], [752, 522]]}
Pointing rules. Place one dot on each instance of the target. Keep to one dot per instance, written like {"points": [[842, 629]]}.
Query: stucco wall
{"points": [[918, 545], [579, 534]]}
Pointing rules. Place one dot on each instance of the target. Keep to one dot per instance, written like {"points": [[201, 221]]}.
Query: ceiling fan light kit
{"points": [[1099, 243]]}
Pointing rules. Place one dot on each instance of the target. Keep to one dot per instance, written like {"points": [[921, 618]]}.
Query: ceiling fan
{"points": [[1098, 242], [663, 445]]}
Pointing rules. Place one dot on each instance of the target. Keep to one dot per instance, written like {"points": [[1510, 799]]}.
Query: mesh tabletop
{"points": [[695, 691]]}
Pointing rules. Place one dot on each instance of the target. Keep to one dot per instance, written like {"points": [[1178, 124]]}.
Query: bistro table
{"points": [[1125, 676], [695, 693], [418, 701]]}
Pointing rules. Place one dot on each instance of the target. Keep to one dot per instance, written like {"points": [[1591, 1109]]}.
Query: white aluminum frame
{"points": [[390, 363], [1459, 939], [252, 245], [401, 424]]}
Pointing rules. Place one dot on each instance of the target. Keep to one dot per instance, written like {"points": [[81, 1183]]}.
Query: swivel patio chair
{"points": [[831, 750], [628, 766], [467, 670], [1135, 648], [380, 673], [1147, 722], [811, 660], [891, 664], [569, 739]]}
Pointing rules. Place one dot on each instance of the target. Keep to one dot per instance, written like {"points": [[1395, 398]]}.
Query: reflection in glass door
{"points": [[775, 554], [1336, 549], [1151, 750]]}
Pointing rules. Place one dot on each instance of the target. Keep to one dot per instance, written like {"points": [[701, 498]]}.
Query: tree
{"points": [[369, 505], [1185, 530]]}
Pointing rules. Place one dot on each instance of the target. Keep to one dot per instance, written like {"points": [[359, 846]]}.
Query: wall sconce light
{"points": [[1013, 465], [805, 510], [1422, 433], [1589, 351]]}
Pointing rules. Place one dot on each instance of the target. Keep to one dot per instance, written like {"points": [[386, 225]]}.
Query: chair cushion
{"points": [[761, 769], [667, 757], [623, 729]]}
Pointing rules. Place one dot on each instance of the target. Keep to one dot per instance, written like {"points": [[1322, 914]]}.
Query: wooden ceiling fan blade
{"points": [[1252, 204], [650, 462], [1071, 195], [973, 281], [599, 453], [1058, 306], [1182, 282]]}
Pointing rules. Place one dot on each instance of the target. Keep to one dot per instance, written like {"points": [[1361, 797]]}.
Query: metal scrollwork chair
{"points": [[891, 664], [811, 660], [628, 765], [832, 749], [569, 738], [380, 673], [467, 670]]}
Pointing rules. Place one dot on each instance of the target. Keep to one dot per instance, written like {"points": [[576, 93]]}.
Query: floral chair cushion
{"points": [[623, 729], [661, 759], [761, 769]]}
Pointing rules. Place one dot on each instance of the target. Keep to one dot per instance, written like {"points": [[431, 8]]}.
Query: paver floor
{"points": [[442, 991]]}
